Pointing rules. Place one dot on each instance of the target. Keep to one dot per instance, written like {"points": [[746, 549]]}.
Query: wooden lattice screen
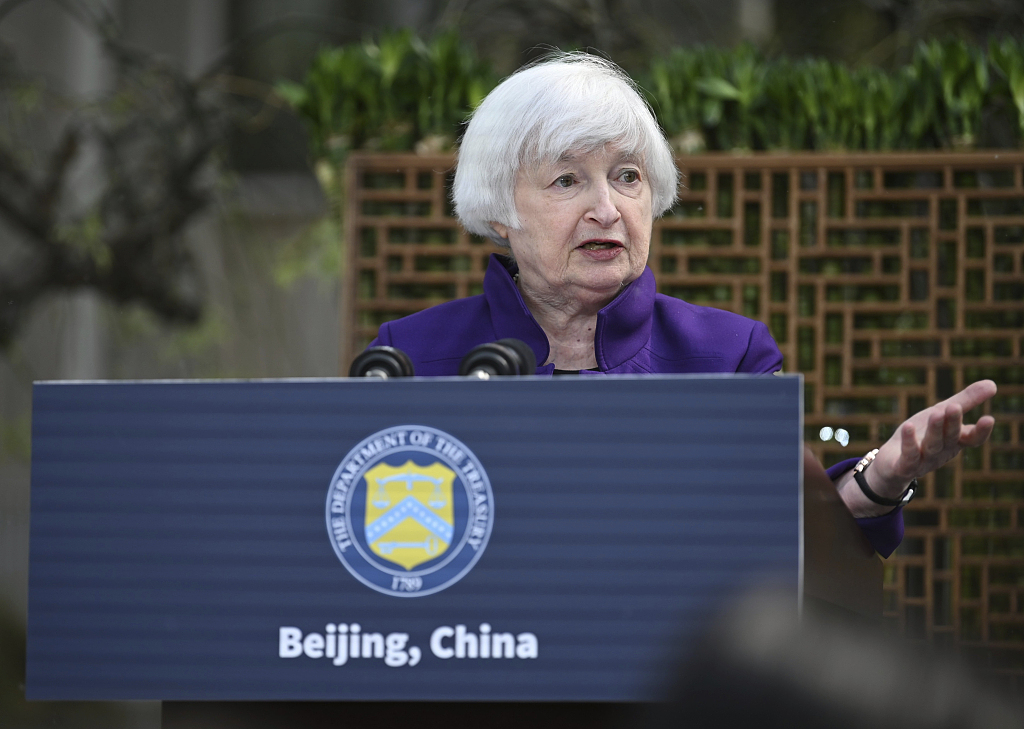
{"points": [[890, 281]]}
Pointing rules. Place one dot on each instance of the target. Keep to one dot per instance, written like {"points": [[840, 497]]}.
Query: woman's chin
{"points": [[606, 280]]}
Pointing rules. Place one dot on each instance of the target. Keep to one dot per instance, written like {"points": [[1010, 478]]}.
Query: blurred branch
{"points": [[271, 102], [121, 179]]}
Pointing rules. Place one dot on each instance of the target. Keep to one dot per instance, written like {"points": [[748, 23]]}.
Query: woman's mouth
{"points": [[601, 250]]}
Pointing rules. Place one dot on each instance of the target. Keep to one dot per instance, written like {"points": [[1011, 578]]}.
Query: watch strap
{"points": [[858, 476]]}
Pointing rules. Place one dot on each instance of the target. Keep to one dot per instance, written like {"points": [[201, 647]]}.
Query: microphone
{"points": [[384, 363], [499, 359]]}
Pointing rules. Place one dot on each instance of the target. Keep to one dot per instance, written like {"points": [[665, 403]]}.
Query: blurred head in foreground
{"points": [[760, 666]]}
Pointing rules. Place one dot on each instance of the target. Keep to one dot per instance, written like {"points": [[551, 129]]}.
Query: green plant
{"points": [[740, 85], [1007, 59], [739, 99], [784, 124], [388, 95], [960, 75], [401, 92]]}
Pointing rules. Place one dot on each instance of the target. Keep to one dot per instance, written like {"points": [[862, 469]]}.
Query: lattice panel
{"points": [[890, 281], [407, 251]]}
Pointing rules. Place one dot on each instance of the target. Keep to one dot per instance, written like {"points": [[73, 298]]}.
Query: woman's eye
{"points": [[565, 181], [629, 176]]}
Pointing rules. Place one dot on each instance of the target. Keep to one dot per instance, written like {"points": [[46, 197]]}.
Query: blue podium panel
{"points": [[525, 539]]}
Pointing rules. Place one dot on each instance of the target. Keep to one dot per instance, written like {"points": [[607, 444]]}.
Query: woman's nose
{"points": [[603, 210]]}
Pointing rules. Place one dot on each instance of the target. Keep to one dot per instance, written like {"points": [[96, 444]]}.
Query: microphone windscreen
{"points": [[527, 359]]}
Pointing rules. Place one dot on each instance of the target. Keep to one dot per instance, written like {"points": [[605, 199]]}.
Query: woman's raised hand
{"points": [[922, 444], [935, 435]]}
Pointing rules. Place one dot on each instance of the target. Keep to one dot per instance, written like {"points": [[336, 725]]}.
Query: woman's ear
{"points": [[501, 230]]}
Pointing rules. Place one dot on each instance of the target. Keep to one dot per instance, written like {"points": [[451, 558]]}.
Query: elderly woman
{"points": [[564, 165]]}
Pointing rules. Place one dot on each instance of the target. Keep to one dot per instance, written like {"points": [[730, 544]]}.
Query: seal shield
{"points": [[409, 512]]}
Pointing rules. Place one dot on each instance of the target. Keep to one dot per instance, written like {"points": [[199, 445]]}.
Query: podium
{"points": [[323, 552]]}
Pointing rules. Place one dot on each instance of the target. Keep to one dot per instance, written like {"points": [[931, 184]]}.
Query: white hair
{"points": [[567, 103]]}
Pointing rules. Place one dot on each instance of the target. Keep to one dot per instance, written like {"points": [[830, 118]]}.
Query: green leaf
{"points": [[718, 88], [295, 95]]}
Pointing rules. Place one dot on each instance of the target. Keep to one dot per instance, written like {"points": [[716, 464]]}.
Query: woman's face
{"points": [[585, 226]]}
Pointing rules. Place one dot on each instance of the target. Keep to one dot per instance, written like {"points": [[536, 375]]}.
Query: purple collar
{"points": [[623, 327]]}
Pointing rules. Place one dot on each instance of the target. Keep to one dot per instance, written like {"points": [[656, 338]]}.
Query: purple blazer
{"points": [[639, 332]]}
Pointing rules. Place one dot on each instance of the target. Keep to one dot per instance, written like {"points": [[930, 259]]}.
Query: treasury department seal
{"points": [[409, 511]]}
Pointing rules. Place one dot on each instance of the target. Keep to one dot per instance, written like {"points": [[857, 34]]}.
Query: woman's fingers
{"points": [[973, 395], [932, 443], [943, 432], [910, 451], [952, 426], [974, 435]]}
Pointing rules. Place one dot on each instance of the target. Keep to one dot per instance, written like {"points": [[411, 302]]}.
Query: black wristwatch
{"points": [[858, 475]]}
